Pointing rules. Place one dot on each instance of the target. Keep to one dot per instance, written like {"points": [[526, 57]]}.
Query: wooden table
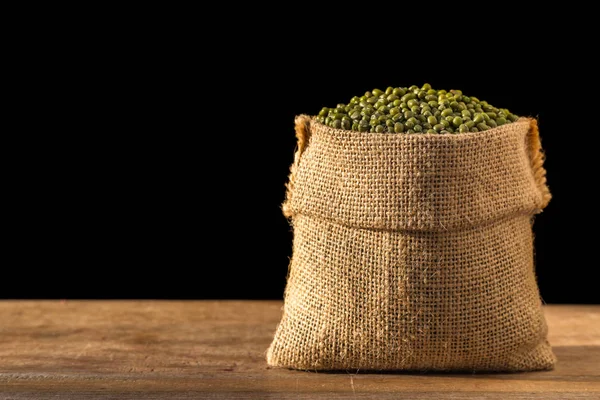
{"points": [[216, 350]]}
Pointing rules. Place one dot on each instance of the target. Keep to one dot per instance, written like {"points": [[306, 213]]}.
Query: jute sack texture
{"points": [[414, 252]]}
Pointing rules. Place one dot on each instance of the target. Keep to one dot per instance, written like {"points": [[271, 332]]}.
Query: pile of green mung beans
{"points": [[415, 110]]}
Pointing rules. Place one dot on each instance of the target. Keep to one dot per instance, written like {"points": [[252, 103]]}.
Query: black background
{"points": [[163, 172]]}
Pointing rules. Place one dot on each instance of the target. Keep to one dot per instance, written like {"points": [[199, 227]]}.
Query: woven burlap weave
{"points": [[414, 252]]}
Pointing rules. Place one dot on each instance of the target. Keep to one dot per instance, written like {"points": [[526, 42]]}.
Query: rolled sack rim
{"points": [[530, 196]]}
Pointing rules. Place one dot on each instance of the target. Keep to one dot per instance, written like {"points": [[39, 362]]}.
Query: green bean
{"points": [[478, 118], [447, 112], [438, 127]]}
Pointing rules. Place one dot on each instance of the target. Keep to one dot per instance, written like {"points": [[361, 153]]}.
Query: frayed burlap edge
{"points": [[537, 157], [302, 127]]}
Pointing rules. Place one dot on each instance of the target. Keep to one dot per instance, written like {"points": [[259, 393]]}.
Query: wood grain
{"points": [[216, 350]]}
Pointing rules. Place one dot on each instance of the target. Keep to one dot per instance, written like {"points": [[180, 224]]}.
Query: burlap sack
{"points": [[414, 252]]}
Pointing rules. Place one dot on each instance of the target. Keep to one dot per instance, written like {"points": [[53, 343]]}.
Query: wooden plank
{"points": [[216, 350]]}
